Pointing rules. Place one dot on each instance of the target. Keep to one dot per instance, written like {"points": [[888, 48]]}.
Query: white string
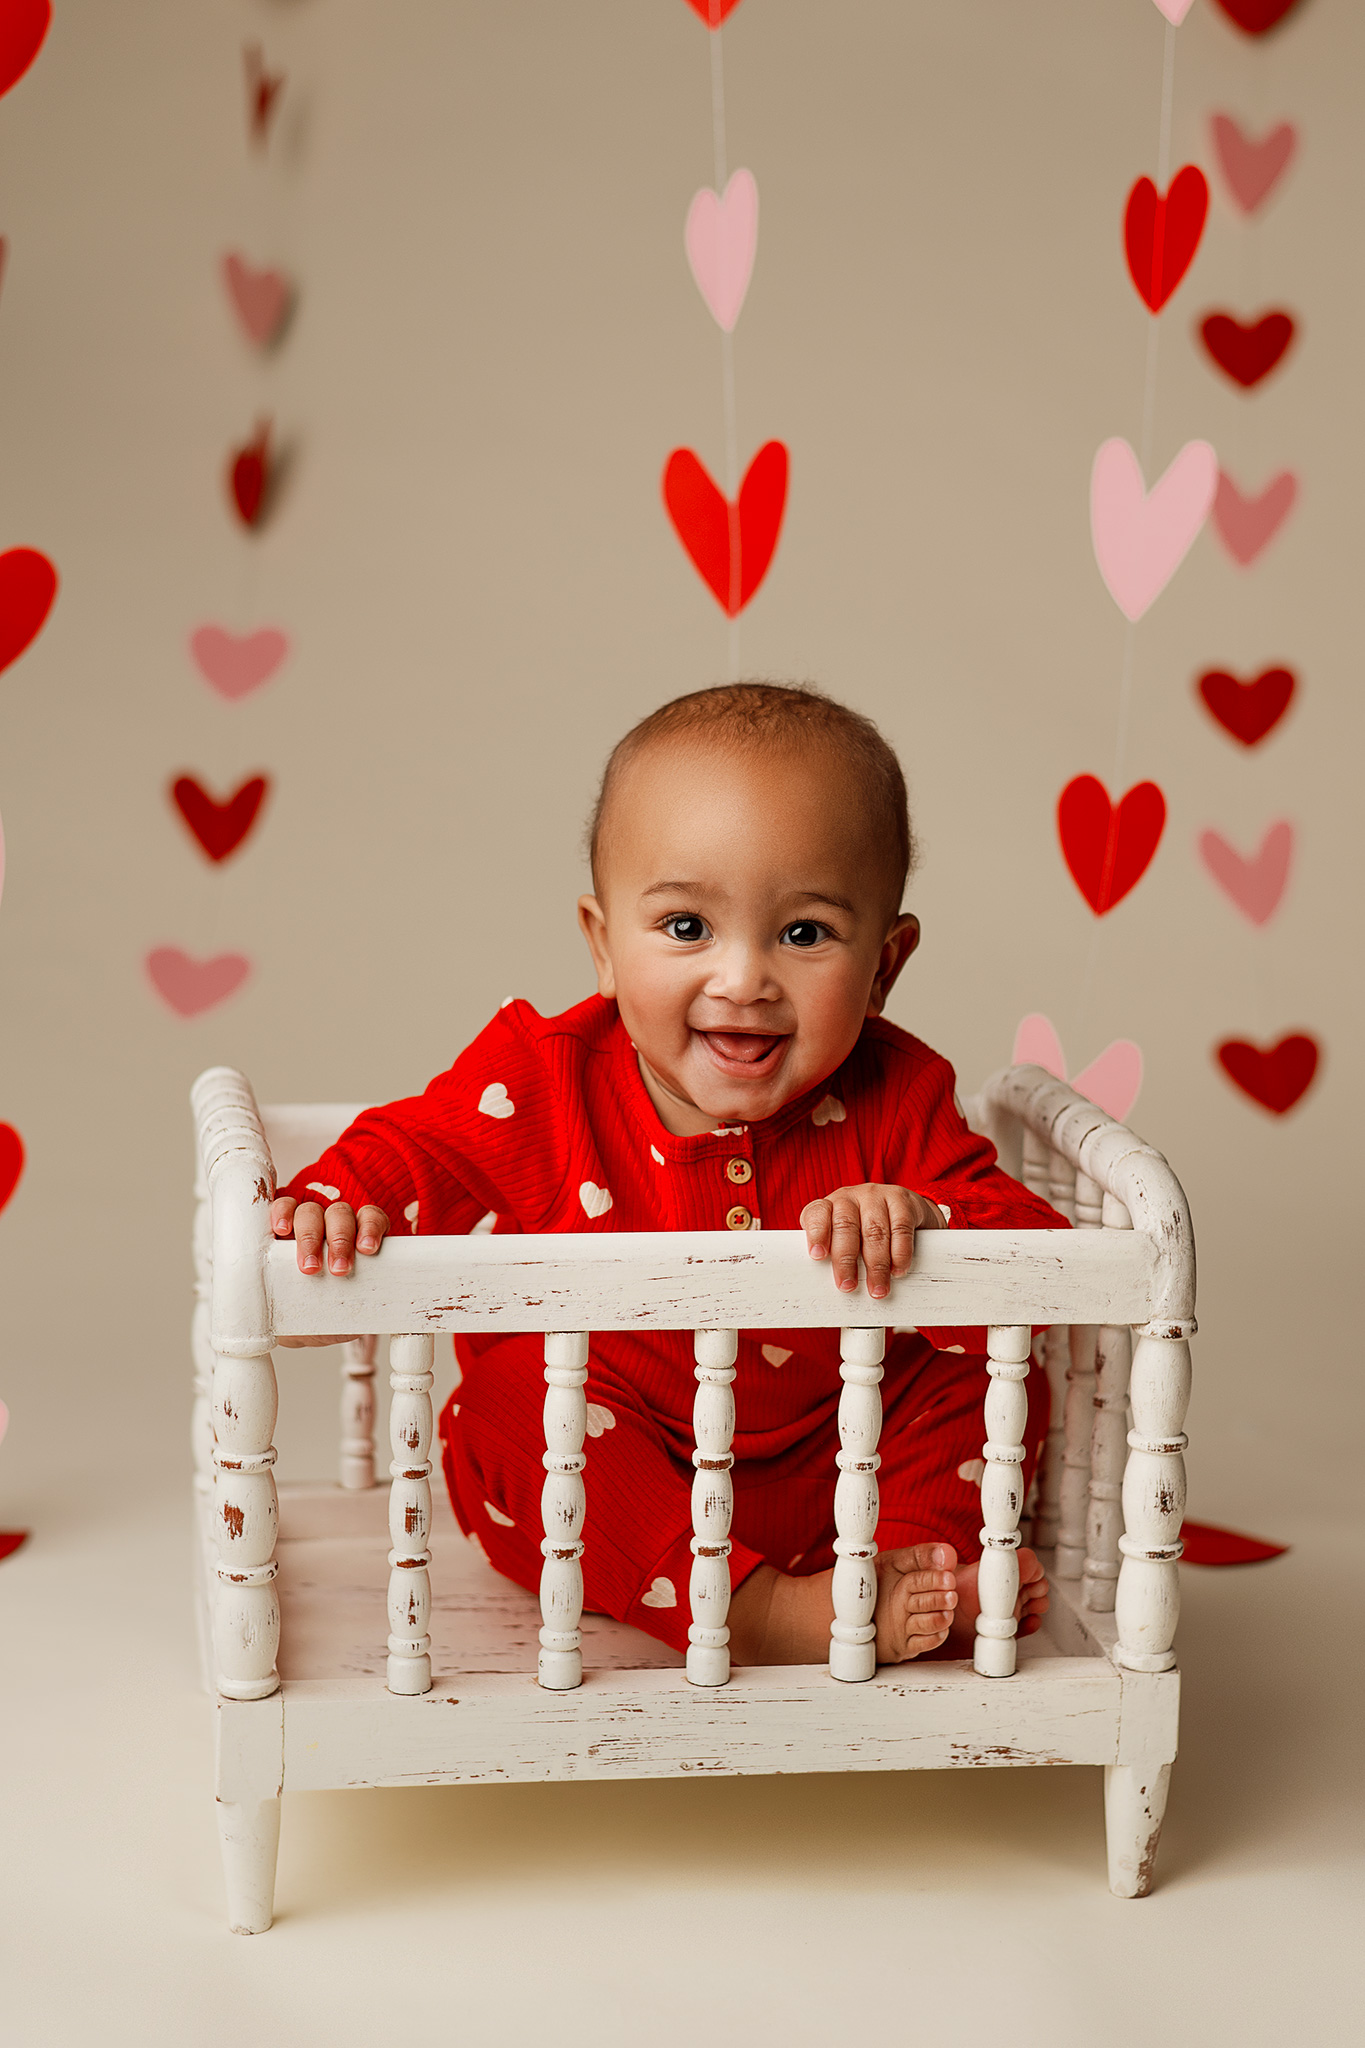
{"points": [[718, 107], [727, 346]]}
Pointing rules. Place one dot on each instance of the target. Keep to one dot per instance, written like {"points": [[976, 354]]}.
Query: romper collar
{"points": [[636, 1099]]}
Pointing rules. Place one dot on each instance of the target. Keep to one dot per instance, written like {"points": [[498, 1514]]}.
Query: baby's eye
{"points": [[806, 933], [688, 929]]}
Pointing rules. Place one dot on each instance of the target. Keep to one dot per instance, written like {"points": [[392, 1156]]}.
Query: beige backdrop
{"points": [[496, 346]]}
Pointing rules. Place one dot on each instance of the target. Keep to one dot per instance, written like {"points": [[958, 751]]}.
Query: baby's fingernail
{"points": [[310, 1264], [366, 1244]]}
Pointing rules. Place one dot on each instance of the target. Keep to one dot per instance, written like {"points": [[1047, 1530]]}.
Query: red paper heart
{"points": [[23, 24], [1256, 17], [713, 12], [1160, 235], [730, 545], [1108, 847], [1247, 710], [249, 476], [1247, 354], [10, 1539], [11, 1161], [28, 584], [1205, 1543], [220, 828], [1276, 1076]]}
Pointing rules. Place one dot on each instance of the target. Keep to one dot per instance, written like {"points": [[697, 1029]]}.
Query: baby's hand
{"points": [[344, 1232], [878, 1223]]}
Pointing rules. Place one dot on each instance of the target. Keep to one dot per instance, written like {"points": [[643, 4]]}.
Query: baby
{"points": [[750, 847]]}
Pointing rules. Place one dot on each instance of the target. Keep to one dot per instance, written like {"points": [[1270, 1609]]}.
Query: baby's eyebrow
{"points": [[797, 896]]}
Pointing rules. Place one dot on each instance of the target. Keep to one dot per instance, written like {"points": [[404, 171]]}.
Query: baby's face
{"points": [[741, 927]]}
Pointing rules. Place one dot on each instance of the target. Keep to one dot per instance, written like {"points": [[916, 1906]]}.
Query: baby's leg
{"points": [[637, 1555]]}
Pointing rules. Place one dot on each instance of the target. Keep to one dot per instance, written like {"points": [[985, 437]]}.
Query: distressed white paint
{"points": [[563, 1504], [713, 1428], [853, 1632], [1091, 1687], [1002, 1497]]}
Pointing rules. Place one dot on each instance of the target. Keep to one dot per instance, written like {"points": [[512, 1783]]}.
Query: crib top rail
{"points": [[704, 1279]]}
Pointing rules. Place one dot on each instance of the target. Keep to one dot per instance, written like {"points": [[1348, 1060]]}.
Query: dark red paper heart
{"points": [[28, 584], [1108, 847], [220, 828], [11, 1162], [10, 1539], [1276, 1076], [1256, 17], [1247, 354], [1247, 710], [1160, 235], [249, 477], [713, 12], [1206, 1543], [731, 546], [23, 24]]}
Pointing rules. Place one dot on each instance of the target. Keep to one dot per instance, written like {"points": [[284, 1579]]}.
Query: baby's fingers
{"points": [[308, 1236], [282, 1215], [816, 1220], [846, 1241], [371, 1225], [340, 1228]]}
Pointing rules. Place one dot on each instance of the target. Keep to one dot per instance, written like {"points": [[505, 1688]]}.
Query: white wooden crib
{"points": [[316, 1687]]}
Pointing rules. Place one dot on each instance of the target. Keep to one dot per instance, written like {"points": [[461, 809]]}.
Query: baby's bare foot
{"points": [[1029, 1608], [916, 1600]]}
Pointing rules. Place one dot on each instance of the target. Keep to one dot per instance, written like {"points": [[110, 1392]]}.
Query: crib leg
{"points": [[249, 1837], [1134, 1807]]}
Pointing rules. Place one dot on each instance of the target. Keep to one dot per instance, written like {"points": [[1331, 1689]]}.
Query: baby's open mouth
{"points": [[745, 1052]]}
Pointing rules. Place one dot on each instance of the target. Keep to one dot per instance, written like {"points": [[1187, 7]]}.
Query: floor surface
{"points": [[959, 1907]]}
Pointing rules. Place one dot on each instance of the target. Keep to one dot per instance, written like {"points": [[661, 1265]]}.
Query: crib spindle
{"points": [[1147, 1600], [1108, 1448], [713, 1423], [357, 1414], [1059, 1189], [563, 1505], [201, 1341], [1078, 1410], [246, 1514], [853, 1633], [410, 1425], [1008, 1354]]}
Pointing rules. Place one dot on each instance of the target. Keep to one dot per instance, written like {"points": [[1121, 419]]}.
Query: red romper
{"points": [[545, 1123]]}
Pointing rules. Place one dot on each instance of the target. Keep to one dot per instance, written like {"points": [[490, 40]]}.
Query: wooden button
{"points": [[737, 1219], [739, 1171]]}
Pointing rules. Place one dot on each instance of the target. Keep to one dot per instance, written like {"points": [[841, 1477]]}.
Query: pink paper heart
{"points": [[234, 664], [1111, 1082], [261, 298], [1252, 169], [1255, 883], [190, 986], [1246, 525], [4, 1421], [1141, 537], [1175, 12], [721, 238]]}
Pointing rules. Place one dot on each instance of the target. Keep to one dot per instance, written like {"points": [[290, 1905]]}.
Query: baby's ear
{"points": [[899, 943], [593, 925]]}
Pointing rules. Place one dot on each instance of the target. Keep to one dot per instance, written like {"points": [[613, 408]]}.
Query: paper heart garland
{"points": [[1112, 1081], [1174, 10], [11, 1162], [713, 12], [219, 828], [1246, 525], [260, 298], [1252, 169], [1249, 353], [190, 986], [234, 664], [23, 25], [249, 477], [730, 546], [1141, 537], [1161, 232], [1247, 710], [262, 90], [28, 586], [1256, 17], [1254, 882], [2, 858], [721, 238], [1275, 1076], [1108, 847]]}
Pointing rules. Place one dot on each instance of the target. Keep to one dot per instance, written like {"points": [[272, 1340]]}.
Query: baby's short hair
{"points": [[772, 717]]}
